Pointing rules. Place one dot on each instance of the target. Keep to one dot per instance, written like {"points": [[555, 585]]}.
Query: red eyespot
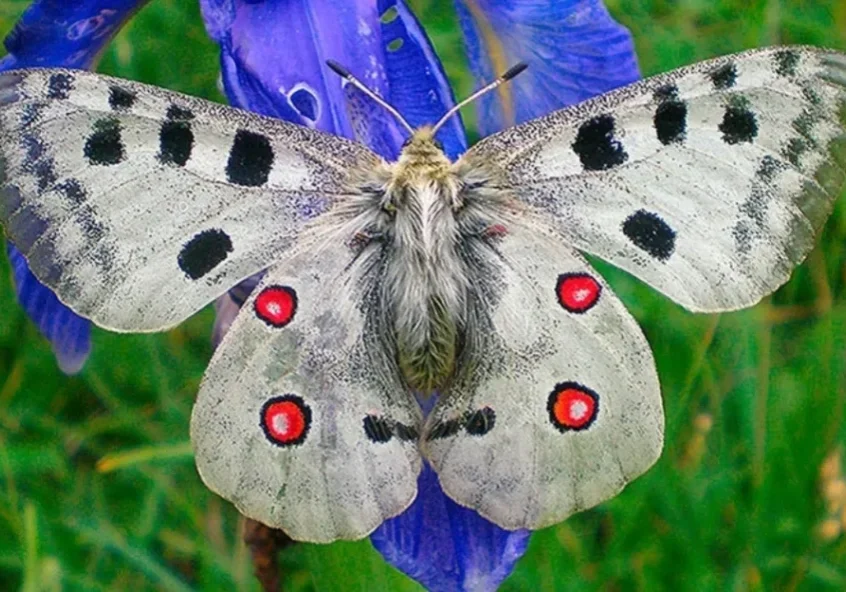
{"points": [[285, 420], [577, 292], [276, 305], [572, 406]]}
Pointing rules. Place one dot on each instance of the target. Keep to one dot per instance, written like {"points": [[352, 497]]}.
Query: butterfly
{"points": [[388, 286]]}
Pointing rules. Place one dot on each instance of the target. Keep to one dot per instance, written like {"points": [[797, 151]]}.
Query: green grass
{"points": [[97, 485]]}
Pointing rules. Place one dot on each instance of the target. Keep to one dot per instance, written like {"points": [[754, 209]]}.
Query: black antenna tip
{"points": [[514, 71], [339, 69]]}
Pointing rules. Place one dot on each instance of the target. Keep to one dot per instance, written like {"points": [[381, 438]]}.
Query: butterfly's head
{"points": [[423, 147]]}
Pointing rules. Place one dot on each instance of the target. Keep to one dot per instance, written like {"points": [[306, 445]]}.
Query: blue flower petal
{"points": [[273, 59], [68, 332], [71, 34], [63, 33], [273, 56], [447, 547], [574, 50], [419, 89]]}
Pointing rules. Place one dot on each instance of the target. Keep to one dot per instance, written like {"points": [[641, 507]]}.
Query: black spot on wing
{"points": [[176, 140], [670, 117], [724, 76], [38, 162], [179, 113], [768, 168], [45, 173], [812, 96], [739, 123], [33, 147], [31, 113], [406, 433], [666, 92], [794, 149], [480, 422], [72, 190], [648, 231], [120, 99], [377, 429], [596, 146], [205, 251], [445, 429], [786, 61], [250, 159], [742, 235], [104, 146], [59, 85]]}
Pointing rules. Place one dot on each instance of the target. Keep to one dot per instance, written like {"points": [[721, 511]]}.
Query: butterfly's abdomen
{"points": [[424, 283]]}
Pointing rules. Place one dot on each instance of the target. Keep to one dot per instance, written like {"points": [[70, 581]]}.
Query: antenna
{"points": [[508, 75], [347, 75]]}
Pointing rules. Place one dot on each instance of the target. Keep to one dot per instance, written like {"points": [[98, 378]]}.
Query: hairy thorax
{"points": [[423, 218]]}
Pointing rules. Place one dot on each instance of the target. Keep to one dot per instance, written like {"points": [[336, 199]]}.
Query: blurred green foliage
{"points": [[97, 485]]}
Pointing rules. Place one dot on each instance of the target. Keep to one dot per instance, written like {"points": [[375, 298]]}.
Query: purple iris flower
{"points": [[273, 62]]}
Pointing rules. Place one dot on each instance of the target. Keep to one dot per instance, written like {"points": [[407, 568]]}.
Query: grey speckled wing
{"points": [[709, 182], [138, 205], [560, 407], [302, 420]]}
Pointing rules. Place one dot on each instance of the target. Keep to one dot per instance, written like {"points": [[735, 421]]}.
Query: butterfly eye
{"points": [[406, 143], [438, 145]]}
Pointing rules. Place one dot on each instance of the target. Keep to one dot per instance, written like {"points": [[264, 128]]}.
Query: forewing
{"points": [[302, 420], [138, 205], [709, 182], [560, 405]]}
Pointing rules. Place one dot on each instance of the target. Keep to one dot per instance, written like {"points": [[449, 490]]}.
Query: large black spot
{"points": [[786, 62], [205, 251], [104, 146], [176, 140], [250, 159], [671, 121], [649, 232], [120, 98], [724, 77], [59, 86], [739, 124], [596, 146], [378, 429], [480, 422]]}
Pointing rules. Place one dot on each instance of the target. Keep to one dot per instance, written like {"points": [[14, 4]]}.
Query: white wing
{"points": [[138, 206], [561, 405], [302, 420], [709, 182]]}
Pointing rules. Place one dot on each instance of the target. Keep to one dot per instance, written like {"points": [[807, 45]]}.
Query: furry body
{"points": [[422, 220]]}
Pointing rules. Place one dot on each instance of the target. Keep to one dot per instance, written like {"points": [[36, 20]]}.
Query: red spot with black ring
{"points": [[276, 305], [572, 406], [285, 420], [577, 292]]}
